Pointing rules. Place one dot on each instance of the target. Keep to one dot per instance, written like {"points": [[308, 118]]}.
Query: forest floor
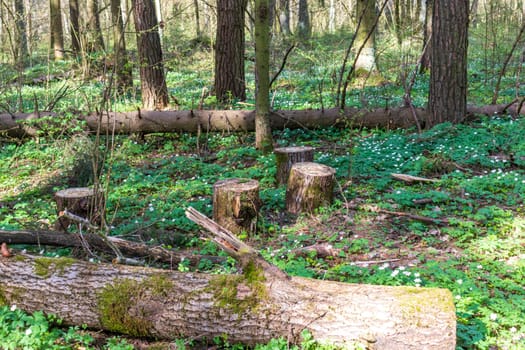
{"points": [[464, 232]]}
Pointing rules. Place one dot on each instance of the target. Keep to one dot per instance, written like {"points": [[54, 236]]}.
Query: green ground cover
{"points": [[479, 254]]}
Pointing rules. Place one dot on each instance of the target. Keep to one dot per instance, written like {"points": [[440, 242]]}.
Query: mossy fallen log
{"points": [[253, 307], [247, 308]]}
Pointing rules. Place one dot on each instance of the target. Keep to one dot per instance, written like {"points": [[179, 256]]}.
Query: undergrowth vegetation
{"points": [[475, 247]]}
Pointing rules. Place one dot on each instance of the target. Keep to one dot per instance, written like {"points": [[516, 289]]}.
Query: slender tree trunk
{"points": [[57, 33], [331, 17], [397, 22], [197, 19], [366, 61], [20, 22], [153, 83], [284, 16], [74, 15], [263, 132], [160, 20], [427, 35], [448, 73], [96, 42], [304, 29], [122, 66], [2, 31], [229, 50], [474, 13]]}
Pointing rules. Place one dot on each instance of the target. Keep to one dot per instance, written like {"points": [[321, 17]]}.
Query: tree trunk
{"points": [[160, 21], [448, 73], [310, 186], [263, 132], [284, 16], [236, 205], [122, 70], [251, 308], [285, 157], [229, 51], [56, 31], [197, 19], [427, 35], [153, 83], [13, 125], [331, 17], [20, 22], [74, 15], [304, 29], [96, 41], [365, 37]]}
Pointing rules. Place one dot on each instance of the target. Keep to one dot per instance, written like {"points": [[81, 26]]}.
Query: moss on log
{"points": [[248, 308]]}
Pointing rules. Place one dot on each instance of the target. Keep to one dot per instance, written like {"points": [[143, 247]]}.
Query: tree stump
{"points": [[236, 204], [80, 201], [310, 185], [285, 157]]}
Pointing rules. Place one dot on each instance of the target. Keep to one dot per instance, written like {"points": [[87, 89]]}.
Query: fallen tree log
{"points": [[261, 304], [242, 120], [96, 243]]}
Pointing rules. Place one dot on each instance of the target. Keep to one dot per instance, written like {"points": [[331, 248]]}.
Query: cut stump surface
{"points": [[236, 204], [80, 201], [310, 186], [285, 157]]}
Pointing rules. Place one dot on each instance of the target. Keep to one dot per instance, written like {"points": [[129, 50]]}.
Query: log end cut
{"points": [[310, 185], [236, 204], [285, 157]]}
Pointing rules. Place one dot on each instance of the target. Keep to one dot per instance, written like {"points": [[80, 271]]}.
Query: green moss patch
{"points": [[117, 304], [45, 267], [414, 301], [240, 293]]}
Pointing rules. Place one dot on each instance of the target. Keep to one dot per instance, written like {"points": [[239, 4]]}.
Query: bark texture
{"points": [[263, 132], [74, 26], [165, 304], [229, 50], [365, 37], [22, 50], [448, 73], [310, 186], [153, 84], [236, 204], [285, 157]]}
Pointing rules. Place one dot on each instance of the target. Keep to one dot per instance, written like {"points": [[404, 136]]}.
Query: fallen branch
{"points": [[411, 178], [375, 209], [424, 219], [95, 242], [321, 250]]}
